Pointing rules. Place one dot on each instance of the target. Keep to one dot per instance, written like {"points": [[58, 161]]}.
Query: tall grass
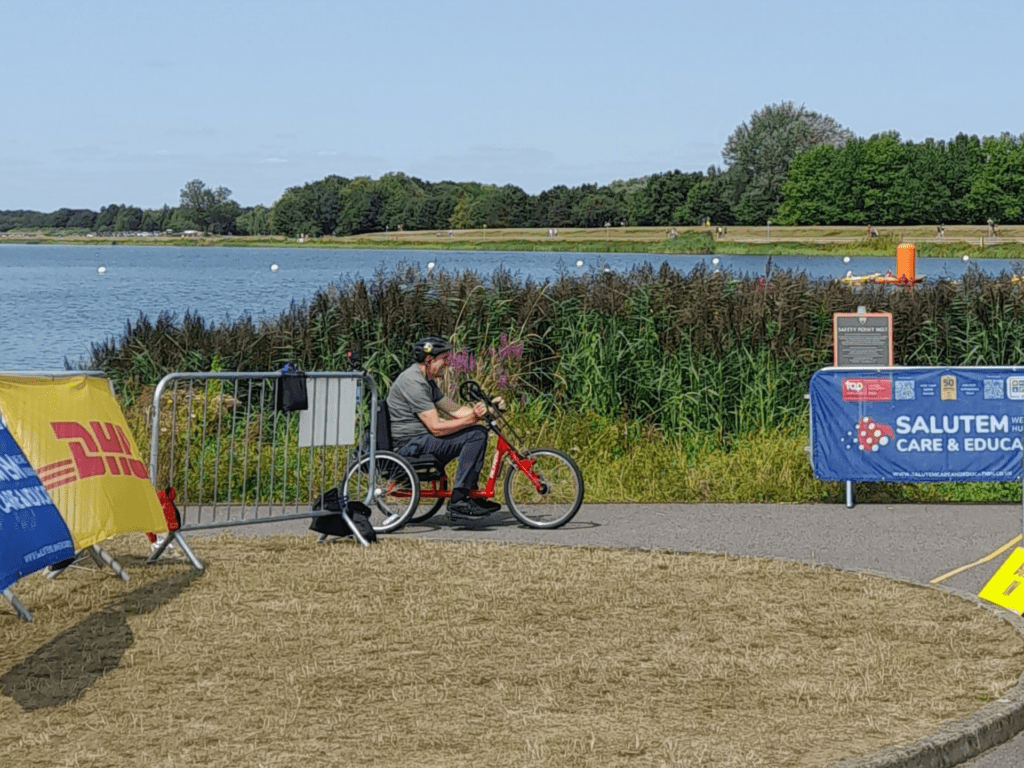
{"points": [[705, 361], [707, 352]]}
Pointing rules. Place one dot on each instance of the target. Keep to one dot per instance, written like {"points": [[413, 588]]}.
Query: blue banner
{"points": [[912, 425], [32, 533]]}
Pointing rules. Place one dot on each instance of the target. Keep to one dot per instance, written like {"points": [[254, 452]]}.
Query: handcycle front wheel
{"points": [[393, 495], [560, 494]]}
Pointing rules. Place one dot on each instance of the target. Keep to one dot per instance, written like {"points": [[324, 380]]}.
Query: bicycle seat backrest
{"points": [[426, 465], [383, 426]]}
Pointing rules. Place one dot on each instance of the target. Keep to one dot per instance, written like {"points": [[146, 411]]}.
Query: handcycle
{"points": [[543, 487]]}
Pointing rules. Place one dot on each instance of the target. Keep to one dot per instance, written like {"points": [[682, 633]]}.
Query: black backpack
{"points": [[334, 525]]}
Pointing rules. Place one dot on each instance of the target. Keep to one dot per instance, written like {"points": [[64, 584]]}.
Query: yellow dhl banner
{"points": [[74, 435]]}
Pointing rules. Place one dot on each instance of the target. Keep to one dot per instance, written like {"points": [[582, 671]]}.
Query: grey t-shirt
{"points": [[411, 394]]}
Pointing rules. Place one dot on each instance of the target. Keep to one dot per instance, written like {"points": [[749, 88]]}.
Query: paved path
{"points": [[918, 543]]}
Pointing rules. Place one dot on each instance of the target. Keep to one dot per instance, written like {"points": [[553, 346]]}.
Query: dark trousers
{"points": [[467, 445]]}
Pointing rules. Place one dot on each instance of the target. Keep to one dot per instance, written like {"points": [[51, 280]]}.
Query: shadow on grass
{"points": [[63, 669]]}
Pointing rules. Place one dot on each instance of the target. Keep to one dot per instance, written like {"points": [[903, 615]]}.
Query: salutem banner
{"points": [[32, 533], [929, 424]]}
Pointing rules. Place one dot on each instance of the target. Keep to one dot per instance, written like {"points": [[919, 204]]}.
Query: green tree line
{"points": [[885, 180], [786, 164]]}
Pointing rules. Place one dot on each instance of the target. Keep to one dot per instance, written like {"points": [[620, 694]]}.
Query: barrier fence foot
{"points": [[352, 527], [23, 613], [175, 538], [100, 558], [195, 561], [53, 571]]}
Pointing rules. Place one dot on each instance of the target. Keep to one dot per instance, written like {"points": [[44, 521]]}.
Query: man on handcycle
{"points": [[416, 405]]}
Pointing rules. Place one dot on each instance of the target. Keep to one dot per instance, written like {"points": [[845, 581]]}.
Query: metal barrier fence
{"points": [[234, 457]]}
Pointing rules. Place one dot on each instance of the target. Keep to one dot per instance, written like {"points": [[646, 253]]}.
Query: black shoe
{"points": [[466, 508], [490, 506]]}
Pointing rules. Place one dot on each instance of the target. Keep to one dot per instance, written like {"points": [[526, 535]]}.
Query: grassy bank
{"points": [[811, 241], [633, 463]]}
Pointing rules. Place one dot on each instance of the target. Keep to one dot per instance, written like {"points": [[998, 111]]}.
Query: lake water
{"points": [[54, 301]]}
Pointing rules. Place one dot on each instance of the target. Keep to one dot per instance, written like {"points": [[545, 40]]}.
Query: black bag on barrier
{"points": [[334, 525], [290, 393]]}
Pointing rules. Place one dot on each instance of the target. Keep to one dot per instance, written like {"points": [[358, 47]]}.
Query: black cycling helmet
{"points": [[431, 345]]}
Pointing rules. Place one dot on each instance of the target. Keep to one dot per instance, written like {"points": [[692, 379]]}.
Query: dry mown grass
{"points": [[469, 654]]}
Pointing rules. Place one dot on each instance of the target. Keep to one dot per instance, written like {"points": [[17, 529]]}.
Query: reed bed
{"points": [[702, 363]]}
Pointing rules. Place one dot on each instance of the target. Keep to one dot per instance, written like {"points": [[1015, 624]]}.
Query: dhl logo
{"points": [[95, 451]]}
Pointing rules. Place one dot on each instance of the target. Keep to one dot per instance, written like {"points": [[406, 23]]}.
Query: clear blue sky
{"points": [[108, 101]]}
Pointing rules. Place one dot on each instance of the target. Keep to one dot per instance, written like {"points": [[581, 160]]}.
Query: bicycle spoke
{"points": [[560, 494], [393, 495]]}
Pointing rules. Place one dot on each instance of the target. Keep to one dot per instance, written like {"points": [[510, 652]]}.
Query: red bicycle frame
{"points": [[438, 490]]}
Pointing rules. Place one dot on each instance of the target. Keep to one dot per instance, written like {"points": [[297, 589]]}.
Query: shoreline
{"points": [[782, 241]]}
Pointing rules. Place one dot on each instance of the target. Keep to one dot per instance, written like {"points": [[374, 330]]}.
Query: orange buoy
{"points": [[905, 256]]}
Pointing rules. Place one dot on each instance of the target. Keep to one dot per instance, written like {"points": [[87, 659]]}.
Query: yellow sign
{"points": [[1006, 587], [74, 435]]}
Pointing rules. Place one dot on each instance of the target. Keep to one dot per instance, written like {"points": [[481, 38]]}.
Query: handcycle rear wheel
{"points": [[395, 492], [423, 512], [560, 496]]}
